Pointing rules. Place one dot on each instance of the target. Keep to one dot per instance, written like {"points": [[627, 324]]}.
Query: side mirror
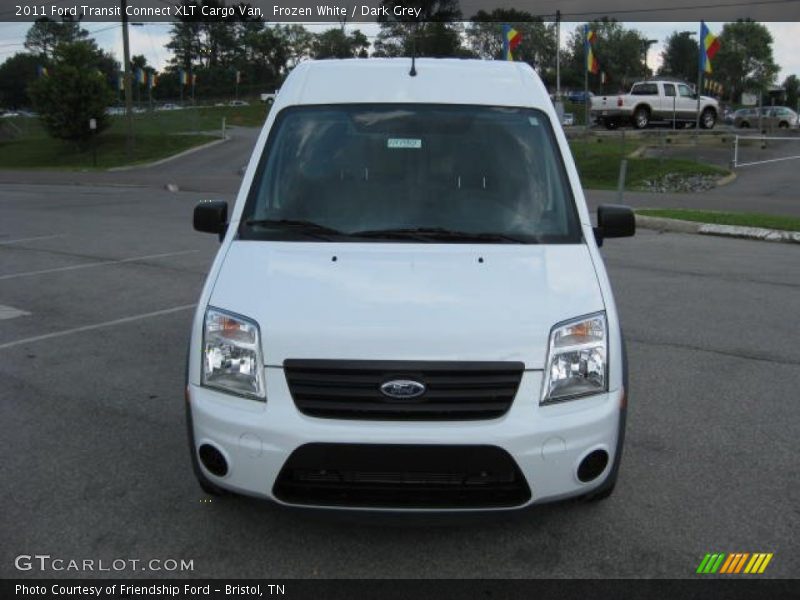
{"points": [[211, 216], [614, 221]]}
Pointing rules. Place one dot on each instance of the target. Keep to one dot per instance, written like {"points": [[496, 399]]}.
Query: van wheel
{"points": [[784, 125], [708, 119], [641, 118], [744, 125], [611, 124]]}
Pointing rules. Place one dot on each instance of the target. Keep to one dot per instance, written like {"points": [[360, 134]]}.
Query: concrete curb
{"points": [[672, 225], [169, 158], [729, 178], [735, 231]]}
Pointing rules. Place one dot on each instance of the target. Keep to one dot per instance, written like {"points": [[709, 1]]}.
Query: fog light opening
{"points": [[592, 465], [213, 460]]}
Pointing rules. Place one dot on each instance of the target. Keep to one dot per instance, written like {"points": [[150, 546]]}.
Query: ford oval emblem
{"points": [[402, 389]]}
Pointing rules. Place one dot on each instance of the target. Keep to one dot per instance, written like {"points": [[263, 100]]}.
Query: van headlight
{"points": [[232, 359], [576, 359]]}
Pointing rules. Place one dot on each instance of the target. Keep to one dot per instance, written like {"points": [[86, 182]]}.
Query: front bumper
{"points": [[547, 443]]}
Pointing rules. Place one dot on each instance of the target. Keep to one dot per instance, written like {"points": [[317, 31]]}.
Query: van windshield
{"points": [[423, 173]]}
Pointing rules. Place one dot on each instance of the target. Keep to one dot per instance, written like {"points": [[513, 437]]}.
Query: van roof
{"points": [[438, 81]]}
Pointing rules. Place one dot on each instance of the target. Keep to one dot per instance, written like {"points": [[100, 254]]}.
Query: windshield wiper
{"points": [[300, 226], [439, 233]]}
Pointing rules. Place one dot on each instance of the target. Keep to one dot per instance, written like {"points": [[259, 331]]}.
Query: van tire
{"points": [[611, 124]]}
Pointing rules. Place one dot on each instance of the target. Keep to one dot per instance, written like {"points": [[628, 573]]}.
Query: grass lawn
{"points": [[47, 153], [725, 218], [158, 134], [598, 165], [206, 118]]}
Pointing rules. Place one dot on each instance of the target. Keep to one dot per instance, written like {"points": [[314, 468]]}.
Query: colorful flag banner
{"points": [[709, 46], [41, 71], [152, 81], [120, 81], [238, 77], [194, 79], [592, 65], [511, 39], [183, 77]]}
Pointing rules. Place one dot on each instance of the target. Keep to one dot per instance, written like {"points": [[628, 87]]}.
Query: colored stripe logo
{"points": [[734, 563]]}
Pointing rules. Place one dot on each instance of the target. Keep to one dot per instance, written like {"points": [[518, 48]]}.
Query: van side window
{"points": [[669, 90], [684, 91]]}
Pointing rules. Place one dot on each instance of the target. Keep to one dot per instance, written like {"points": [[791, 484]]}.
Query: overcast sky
{"points": [[150, 38]]}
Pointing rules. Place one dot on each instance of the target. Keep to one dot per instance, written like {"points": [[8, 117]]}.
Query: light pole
{"points": [[558, 56], [128, 84], [126, 60]]}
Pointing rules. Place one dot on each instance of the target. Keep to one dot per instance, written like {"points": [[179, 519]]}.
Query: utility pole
{"points": [[126, 58], [558, 56]]}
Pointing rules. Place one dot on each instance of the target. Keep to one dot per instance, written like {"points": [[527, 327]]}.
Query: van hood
{"points": [[390, 301]]}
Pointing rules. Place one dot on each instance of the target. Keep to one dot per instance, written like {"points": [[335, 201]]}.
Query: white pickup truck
{"points": [[655, 101], [268, 98]]}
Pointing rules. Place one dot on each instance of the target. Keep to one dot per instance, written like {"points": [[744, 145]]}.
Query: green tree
{"points": [[680, 57], [184, 40], [269, 55], [620, 52], [436, 32], [74, 92], [16, 74], [335, 43], [214, 51], [45, 34], [297, 41], [792, 86], [744, 61], [538, 45]]}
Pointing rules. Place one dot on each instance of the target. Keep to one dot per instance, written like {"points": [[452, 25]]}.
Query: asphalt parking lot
{"points": [[97, 286]]}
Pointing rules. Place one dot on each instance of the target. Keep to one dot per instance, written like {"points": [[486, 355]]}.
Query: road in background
{"points": [[96, 464], [212, 171], [216, 173]]}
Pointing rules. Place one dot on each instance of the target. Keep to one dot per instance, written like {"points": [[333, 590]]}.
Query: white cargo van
{"points": [[408, 310]]}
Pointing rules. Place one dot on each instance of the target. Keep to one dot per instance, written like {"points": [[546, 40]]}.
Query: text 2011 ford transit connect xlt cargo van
{"points": [[408, 310]]}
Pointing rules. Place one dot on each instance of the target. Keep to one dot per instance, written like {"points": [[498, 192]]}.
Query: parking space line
{"points": [[122, 321], [94, 264], [9, 312], [30, 239]]}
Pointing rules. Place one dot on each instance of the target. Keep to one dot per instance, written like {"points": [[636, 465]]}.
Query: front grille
{"points": [[401, 476], [347, 389]]}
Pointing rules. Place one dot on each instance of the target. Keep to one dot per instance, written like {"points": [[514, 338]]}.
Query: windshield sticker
{"points": [[406, 143], [533, 121]]}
